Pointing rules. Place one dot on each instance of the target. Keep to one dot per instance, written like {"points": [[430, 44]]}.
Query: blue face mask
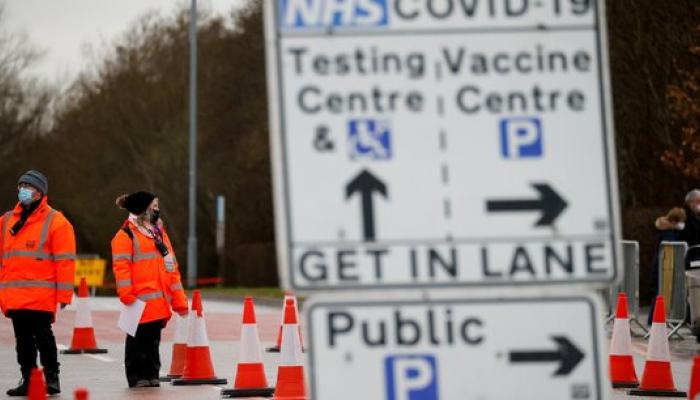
{"points": [[25, 195]]}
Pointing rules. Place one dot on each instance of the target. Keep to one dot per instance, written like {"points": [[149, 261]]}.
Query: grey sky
{"points": [[67, 31]]}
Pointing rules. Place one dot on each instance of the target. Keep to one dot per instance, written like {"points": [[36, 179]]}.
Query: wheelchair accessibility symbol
{"points": [[369, 139]]}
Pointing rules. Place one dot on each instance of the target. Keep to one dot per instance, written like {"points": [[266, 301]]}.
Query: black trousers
{"points": [[33, 333], [141, 355]]}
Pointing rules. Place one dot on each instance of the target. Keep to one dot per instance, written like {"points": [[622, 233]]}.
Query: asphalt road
{"points": [[103, 375]]}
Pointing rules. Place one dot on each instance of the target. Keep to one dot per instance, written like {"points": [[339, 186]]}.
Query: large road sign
{"points": [[441, 143], [466, 349]]}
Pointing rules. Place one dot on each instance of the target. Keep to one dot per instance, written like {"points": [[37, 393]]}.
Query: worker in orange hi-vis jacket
{"points": [[145, 268], [37, 273]]}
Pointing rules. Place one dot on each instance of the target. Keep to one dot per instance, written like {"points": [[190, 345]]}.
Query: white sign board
{"points": [[479, 349], [441, 143]]}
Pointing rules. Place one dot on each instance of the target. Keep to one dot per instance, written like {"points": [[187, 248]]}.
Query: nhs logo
{"points": [[521, 137], [411, 377], [333, 13]]}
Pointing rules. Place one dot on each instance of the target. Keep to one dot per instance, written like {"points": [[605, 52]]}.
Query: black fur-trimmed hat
{"points": [[136, 203]]}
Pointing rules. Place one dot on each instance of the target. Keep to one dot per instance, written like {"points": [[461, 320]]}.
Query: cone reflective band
{"points": [[83, 332], [657, 379], [198, 369], [37, 385], [622, 373], [250, 372], [694, 389], [275, 349], [177, 363], [290, 372]]}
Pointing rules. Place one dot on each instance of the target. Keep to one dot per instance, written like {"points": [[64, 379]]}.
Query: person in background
{"points": [[691, 235], [669, 228], [37, 274], [145, 268], [691, 232]]}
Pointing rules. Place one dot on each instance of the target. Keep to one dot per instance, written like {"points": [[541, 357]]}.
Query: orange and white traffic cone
{"points": [[250, 372], [290, 372], [276, 348], [694, 389], [80, 394], [657, 379], [37, 385], [198, 369], [177, 363], [622, 373], [83, 332]]}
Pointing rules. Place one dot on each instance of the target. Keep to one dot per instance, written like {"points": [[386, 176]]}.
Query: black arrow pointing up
{"points": [[365, 183], [568, 356], [549, 203]]}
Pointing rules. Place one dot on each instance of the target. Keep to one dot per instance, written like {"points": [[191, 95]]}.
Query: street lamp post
{"points": [[192, 238]]}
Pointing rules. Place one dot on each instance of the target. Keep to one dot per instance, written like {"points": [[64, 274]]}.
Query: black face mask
{"points": [[155, 214]]}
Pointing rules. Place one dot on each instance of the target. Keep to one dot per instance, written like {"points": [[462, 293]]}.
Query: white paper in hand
{"points": [[129, 317]]}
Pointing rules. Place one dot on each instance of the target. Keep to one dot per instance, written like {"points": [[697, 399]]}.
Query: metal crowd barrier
{"points": [[630, 281], [629, 286], [672, 284]]}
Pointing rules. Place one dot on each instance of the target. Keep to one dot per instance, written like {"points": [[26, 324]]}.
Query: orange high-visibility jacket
{"points": [[140, 270], [38, 263]]}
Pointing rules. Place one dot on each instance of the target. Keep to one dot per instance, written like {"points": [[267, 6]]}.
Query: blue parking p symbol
{"points": [[521, 137], [411, 377]]}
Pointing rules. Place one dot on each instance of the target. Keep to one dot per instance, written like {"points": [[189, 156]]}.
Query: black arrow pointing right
{"points": [[568, 356], [549, 203], [365, 183]]}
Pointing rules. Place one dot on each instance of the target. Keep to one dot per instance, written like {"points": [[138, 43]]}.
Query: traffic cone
{"points": [[198, 369], [622, 373], [694, 389], [290, 372], [250, 372], [177, 363], [276, 348], [83, 332], [37, 385], [657, 379], [81, 394]]}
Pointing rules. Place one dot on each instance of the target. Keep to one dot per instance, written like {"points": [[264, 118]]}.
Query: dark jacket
{"points": [[691, 235]]}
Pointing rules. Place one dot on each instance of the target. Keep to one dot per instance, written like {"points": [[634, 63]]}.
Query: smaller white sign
{"points": [[461, 349]]}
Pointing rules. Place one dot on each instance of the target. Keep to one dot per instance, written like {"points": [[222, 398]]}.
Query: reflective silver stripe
{"points": [[26, 253], [121, 256], [45, 229], [40, 254], [169, 266], [123, 282], [176, 286], [4, 226], [139, 255], [150, 296], [146, 256], [29, 284], [64, 286], [63, 256], [137, 247]]}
